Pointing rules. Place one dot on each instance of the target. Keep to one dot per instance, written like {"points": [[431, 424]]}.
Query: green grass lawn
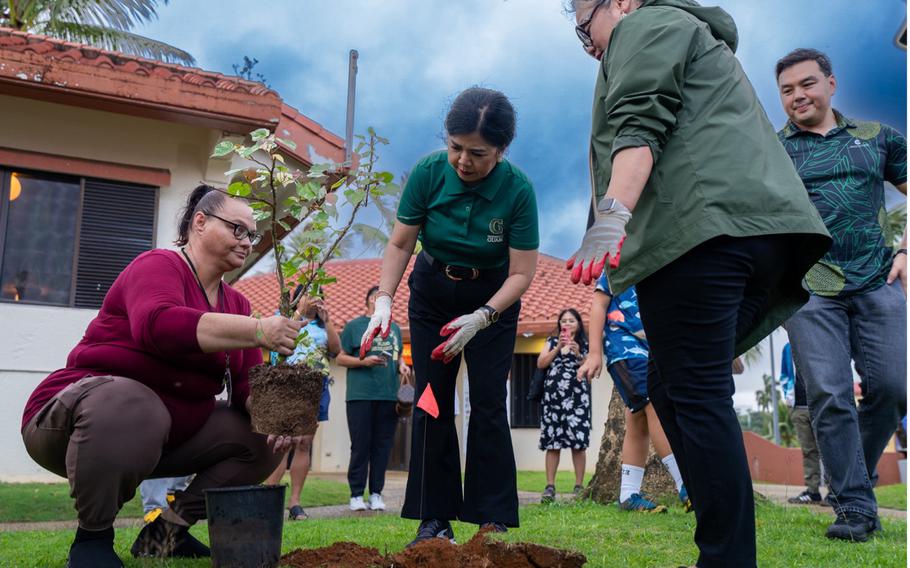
{"points": [[27, 502], [892, 496], [787, 537], [537, 480]]}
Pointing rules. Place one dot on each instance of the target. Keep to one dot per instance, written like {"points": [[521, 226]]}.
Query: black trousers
{"points": [[372, 425], [693, 310], [434, 476]]}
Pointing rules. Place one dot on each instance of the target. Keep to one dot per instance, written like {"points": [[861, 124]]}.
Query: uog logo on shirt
{"points": [[495, 235]]}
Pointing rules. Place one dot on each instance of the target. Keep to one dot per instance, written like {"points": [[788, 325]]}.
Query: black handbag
{"points": [[535, 389]]}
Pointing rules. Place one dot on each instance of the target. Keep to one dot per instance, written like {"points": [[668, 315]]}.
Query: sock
{"points": [[83, 535], [631, 481], [673, 468]]}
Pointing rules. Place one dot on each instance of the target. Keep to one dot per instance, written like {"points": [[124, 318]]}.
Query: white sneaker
{"points": [[357, 504], [376, 502]]}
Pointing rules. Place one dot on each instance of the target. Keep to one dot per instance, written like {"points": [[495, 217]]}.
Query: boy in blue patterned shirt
{"points": [[622, 337]]}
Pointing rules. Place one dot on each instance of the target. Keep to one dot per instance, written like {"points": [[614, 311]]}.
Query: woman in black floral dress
{"points": [[565, 408]]}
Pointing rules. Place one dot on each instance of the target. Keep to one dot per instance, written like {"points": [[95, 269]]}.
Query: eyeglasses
{"points": [[240, 232], [583, 30]]}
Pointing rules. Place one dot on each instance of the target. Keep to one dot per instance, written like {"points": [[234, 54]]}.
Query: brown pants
{"points": [[107, 434]]}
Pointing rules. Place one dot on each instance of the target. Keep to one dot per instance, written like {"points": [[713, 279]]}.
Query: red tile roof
{"points": [[51, 69], [550, 292], [66, 51]]}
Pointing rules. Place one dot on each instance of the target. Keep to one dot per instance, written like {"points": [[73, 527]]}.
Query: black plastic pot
{"points": [[245, 525]]}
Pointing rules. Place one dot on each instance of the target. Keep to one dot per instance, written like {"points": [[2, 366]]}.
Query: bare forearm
{"points": [[334, 340], [631, 170], [599, 306], [546, 357], [512, 289], [225, 332], [348, 361]]}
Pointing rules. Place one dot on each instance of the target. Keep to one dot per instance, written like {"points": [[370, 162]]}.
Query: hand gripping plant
{"points": [[285, 398]]}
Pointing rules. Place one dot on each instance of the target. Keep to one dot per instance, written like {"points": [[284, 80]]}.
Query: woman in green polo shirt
{"points": [[476, 216]]}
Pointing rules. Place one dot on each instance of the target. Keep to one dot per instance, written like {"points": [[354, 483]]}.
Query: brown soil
{"points": [[284, 399], [340, 554], [479, 552]]}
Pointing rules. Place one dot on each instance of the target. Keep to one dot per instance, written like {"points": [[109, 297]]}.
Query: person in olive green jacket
{"points": [[720, 232]]}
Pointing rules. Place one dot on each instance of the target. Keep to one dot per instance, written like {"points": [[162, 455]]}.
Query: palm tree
{"points": [[897, 221], [101, 23], [375, 238]]}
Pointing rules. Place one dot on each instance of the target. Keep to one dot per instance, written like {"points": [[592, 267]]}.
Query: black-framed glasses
{"points": [[583, 30], [240, 232]]}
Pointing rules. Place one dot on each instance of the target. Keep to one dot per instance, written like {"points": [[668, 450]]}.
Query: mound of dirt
{"points": [[479, 552]]}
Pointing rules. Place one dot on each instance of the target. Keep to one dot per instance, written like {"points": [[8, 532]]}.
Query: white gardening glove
{"points": [[464, 327], [604, 239], [379, 323]]}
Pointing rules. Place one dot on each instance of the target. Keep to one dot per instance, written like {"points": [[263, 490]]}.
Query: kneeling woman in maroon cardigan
{"points": [[137, 397]]}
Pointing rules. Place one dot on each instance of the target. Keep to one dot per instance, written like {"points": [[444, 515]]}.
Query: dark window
{"points": [[525, 413], [63, 240]]}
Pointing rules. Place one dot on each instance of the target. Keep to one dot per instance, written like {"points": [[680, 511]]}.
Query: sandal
{"points": [[296, 513]]}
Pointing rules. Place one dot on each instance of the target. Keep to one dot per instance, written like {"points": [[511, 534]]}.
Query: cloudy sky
{"points": [[416, 55]]}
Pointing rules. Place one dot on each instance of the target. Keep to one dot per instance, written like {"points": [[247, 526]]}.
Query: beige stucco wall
{"points": [[35, 340]]}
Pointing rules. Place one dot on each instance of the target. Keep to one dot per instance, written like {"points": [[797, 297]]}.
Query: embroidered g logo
{"points": [[496, 226]]}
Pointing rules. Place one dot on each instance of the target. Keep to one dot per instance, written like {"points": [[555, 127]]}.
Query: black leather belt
{"points": [[451, 271]]}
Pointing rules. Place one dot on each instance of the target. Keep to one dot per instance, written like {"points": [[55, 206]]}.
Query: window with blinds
{"points": [[64, 240], [524, 413]]}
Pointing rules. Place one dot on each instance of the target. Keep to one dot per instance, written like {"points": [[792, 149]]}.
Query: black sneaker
{"points": [[433, 528], [494, 526], [163, 539], [806, 498], [94, 552], [854, 527], [549, 494]]}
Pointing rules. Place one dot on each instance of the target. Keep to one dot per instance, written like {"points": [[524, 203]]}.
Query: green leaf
{"points": [[354, 196], [283, 225], [338, 184], [385, 177], [289, 268], [223, 148], [290, 144], [240, 189], [306, 191], [261, 215], [259, 134]]}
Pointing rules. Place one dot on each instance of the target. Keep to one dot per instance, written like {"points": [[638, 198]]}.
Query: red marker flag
{"points": [[427, 402]]}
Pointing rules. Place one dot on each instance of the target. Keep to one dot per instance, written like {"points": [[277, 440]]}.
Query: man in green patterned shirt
{"points": [[858, 306]]}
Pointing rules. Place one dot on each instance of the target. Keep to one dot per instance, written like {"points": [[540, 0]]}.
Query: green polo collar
{"points": [[791, 130], [487, 188]]}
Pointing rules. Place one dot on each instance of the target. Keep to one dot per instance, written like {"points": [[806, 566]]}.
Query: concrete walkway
{"points": [[780, 494], [393, 495]]}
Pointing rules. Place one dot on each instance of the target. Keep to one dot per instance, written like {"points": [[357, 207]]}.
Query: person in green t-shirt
{"points": [[476, 216], [718, 232], [372, 393]]}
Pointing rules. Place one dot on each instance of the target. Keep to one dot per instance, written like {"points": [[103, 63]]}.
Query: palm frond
{"points": [[372, 238], [897, 222], [118, 14], [116, 40]]}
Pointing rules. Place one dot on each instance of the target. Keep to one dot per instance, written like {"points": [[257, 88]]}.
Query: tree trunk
{"points": [[604, 485]]}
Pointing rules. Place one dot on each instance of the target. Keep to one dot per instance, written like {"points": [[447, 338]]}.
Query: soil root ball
{"points": [[284, 399]]}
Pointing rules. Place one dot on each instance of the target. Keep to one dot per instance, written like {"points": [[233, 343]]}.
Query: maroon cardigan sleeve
{"points": [[156, 305], [251, 358]]}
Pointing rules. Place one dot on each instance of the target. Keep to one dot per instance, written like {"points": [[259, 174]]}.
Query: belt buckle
{"points": [[474, 274]]}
